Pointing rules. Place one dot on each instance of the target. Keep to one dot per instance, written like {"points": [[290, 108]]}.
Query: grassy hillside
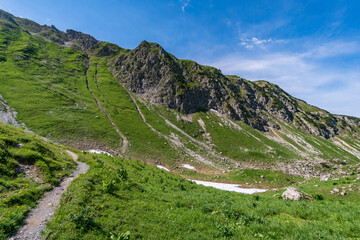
{"points": [[29, 166], [46, 84], [142, 202]]}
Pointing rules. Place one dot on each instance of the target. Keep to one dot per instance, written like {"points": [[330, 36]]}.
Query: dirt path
{"points": [[125, 142], [36, 220]]}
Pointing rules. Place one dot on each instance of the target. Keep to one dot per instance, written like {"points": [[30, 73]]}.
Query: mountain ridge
{"points": [[169, 110], [187, 82]]}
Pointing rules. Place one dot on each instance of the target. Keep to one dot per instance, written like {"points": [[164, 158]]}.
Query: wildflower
{"points": [[20, 192], [102, 206]]}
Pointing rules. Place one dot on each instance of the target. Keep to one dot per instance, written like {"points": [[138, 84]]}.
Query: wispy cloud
{"points": [[305, 74], [332, 49], [184, 5], [252, 42]]}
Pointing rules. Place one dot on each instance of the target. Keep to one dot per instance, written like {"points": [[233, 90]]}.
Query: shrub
{"points": [[122, 174], [317, 196], [108, 185]]}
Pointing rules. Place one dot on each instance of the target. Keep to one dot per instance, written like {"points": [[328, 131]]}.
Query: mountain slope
{"points": [[147, 104], [125, 199], [29, 166]]}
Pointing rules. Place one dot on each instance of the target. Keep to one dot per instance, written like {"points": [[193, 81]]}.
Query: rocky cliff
{"points": [[186, 86]]}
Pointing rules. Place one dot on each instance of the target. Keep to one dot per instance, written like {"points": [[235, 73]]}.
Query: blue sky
{"points": [[309, 48]]}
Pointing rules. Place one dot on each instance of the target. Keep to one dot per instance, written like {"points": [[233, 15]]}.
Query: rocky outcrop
{"points": [[70, 38], [186, 86], [80, 40]]}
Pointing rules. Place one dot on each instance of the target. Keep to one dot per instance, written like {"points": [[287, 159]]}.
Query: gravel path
{"points": [[35, 222]]}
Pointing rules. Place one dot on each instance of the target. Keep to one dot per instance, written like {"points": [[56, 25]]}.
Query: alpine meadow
{"points": [[150, 126]]}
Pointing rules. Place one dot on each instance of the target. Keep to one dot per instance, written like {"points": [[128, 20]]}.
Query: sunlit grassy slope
{"points": [[120, 196], [29, 166]]}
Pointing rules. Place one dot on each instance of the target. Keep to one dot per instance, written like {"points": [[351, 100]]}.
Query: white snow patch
{"points": [[98, 152], [229, 187], [215, 111], [162, 167], [188, 166]]}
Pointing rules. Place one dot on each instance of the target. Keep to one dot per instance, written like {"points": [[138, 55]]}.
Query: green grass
{"points": [[145, 144], [248, 178], [326, 148], [47, 88], [19, 192], [153, 204], [246, 145]]}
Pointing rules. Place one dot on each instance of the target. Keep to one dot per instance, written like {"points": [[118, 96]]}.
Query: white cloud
{"points": [[305, 75], [250, 43], [333, 49], [185, 4]]}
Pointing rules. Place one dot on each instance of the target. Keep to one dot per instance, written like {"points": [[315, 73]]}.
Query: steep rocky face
{"points": [[161, 78], [152, 72], [184, 85], [70, 38], [7, 16], [80, 40]]}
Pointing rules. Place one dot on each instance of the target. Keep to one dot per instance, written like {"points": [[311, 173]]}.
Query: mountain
{"points": [[190, 120], [146, 104]]}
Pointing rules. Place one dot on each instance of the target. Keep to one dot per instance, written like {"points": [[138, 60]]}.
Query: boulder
{"points": [[357, 177], [324, 178], [292, 193], [335, 190]]}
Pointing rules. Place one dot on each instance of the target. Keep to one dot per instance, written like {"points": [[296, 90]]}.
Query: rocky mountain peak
{"points": [[7, 16], [81, 40]]}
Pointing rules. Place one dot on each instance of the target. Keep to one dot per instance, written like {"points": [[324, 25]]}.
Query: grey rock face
{"points": [[70, 38], [186, 86], [81, 40], [6, 115], [325, 178], [292, 193]]}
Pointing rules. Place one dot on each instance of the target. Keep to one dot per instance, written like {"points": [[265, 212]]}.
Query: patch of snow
{"points": [[188, 166], [98, 152], [215, 111], [162, 167], [229, 187]]}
